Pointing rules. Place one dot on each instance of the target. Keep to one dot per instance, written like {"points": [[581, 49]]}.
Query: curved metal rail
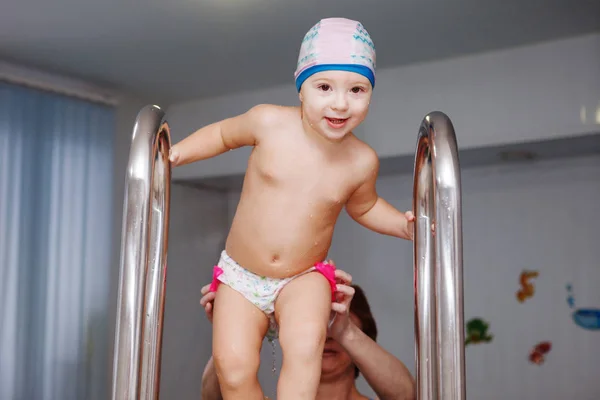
{"points": [[438, 263], [144, 242]]}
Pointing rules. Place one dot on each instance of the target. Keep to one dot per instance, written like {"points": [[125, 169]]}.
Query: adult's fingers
{"points": [[343, 277], [205, 289], [347, 290], [339, 307], [207, 298]]}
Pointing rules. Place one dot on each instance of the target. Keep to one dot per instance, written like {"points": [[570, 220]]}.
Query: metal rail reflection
{"points": [[438, 263], [144, 242]]}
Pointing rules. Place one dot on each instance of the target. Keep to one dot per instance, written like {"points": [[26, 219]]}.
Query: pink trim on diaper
{"points": [[217, 271], [328, 271]]}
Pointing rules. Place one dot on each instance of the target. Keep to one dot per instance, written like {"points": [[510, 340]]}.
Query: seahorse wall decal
{"points": [[527, 289]]}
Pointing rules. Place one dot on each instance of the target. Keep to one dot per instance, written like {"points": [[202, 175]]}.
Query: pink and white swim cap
{"points": [[336, 44]]}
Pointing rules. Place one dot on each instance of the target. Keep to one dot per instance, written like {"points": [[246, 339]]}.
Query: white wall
{"points": [[541, 216], [533, 93]]}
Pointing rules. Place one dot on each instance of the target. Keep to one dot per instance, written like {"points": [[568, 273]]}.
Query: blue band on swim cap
{"points": [[359, 69]]}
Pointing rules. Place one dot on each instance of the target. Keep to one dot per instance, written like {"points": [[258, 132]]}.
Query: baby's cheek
{"points": [[359, 115], [361, 112], [316, 110]]}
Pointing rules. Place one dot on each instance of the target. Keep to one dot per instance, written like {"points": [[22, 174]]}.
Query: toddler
{"points": [[305, 167]]}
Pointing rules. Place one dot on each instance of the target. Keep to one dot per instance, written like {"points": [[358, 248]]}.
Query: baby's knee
{"points": [[235, 369], [305, 341]]}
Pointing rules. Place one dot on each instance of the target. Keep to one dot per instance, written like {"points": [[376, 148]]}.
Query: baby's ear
{"points": [[300, 96]]}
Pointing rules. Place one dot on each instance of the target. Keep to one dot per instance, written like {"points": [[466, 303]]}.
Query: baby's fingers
{"points": [[173, 156]]}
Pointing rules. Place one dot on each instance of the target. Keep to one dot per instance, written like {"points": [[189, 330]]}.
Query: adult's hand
{"points": [[207, 301], [341, 305]]}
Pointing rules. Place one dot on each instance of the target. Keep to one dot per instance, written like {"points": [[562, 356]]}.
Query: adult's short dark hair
{"points": [[359, 306]]}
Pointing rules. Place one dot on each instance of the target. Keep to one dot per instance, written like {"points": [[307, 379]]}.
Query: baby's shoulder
{"points": [[364, 156], [269, 114], [268, 119]]}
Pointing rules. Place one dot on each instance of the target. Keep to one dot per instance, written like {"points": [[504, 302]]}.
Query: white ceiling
{"points": [[173, 50]]}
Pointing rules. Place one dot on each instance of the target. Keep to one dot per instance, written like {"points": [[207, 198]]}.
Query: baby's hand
{"points": [[410, 218], [173, 155]]}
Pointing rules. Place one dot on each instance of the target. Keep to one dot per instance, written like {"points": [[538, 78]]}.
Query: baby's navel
{"points": [[275, 258]]}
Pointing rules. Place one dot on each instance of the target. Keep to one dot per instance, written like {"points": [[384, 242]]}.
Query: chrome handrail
{"points": [[438, 262], [142, 278]]}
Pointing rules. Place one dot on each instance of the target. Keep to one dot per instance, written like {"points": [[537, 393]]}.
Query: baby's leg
{"points": [[238, 331], [302, 311]]}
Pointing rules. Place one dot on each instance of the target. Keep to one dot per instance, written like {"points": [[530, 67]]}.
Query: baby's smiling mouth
{"points": [[337, 120]]}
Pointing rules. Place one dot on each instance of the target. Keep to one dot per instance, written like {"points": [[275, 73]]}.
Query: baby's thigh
{"points": [[238, 327], [303, 308]]}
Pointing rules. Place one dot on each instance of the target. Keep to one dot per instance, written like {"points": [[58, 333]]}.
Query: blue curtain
{"points": [[56, 179]]}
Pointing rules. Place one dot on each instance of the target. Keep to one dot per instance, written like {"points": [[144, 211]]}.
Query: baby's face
{"points": [[335, 102]]}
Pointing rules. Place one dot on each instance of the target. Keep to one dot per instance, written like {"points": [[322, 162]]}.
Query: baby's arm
{"points": [[219, 137], [368, 209]]}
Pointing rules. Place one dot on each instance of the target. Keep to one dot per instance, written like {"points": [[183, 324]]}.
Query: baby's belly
{"points": [[279, 244]]}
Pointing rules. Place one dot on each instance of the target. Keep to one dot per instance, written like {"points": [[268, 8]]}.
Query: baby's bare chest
{"points": [[305, 174]]}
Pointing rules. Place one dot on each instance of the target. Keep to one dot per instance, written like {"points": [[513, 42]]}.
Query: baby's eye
{"points": [[357, 89], [325, 87]]}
